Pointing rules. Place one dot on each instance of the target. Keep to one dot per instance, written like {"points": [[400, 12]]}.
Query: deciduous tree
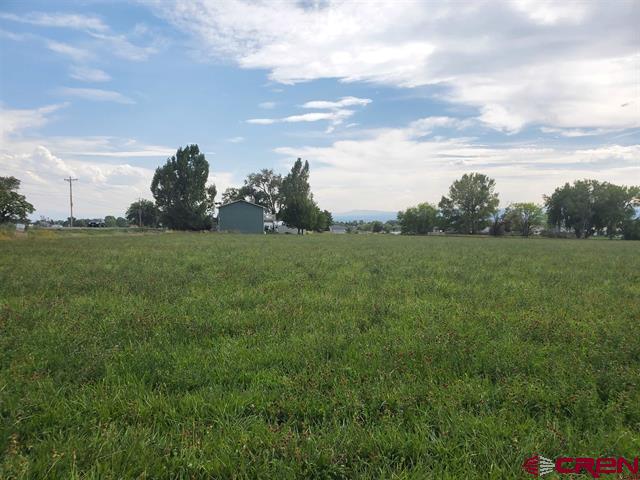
{"points": [[323, 220], [587, 206], [631, 229], [13, 206], [179, 188], [143, 210], [523, 216], [298, 208], [232, 194], [264, 188], [418, 220], [613, 206], [471, 202]]}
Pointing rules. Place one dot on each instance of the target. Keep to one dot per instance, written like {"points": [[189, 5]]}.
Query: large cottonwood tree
{"points": [[180, 190], [471, 202], [588, 206]]}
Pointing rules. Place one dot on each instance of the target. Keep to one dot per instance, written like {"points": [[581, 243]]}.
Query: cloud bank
{"points": [[394, 168], [570, 65]]}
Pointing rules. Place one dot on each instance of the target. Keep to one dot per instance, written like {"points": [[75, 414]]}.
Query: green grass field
{"points": [[371, 356]]}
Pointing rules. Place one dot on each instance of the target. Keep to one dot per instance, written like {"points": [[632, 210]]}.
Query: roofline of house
{"points": [[241, 200]]}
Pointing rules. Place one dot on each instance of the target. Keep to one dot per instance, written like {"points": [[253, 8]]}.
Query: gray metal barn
{"points": [[241, 216]]}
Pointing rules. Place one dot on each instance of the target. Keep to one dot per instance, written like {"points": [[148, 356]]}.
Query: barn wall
{"points": [[241, 217]]}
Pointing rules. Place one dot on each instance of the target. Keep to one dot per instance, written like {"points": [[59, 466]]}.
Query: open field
{"points": [[215, 356]]}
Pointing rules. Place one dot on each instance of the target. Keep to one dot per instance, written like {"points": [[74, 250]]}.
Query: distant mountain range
{"points": [[365, 215]]}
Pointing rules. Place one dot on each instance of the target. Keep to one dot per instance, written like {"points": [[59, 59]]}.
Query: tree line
{"points": [[584, 208], [184, 201]]}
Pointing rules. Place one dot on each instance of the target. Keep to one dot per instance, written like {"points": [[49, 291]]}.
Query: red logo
{"points": [[539, 465]]}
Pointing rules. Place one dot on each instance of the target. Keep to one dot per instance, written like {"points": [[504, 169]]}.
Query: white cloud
{"points": [[577, 132], [64, 20], [108, 181], [267, 105], [262, 121], [96, 94], [16, 120], [391, 169], [86, 74], [120, 46], [77, 54], [16, 37], [336, 114], [102, 188], [104, 39], [335, 117], [547, 12], [343, 102], [236, 139], [425, 126], [222, 181], [108, 147], [518, 62]]}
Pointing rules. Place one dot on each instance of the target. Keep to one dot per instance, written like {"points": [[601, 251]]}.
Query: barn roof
{"points": [[240, 201]]}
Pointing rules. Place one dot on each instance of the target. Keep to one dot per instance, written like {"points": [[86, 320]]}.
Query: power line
{"points": [[71, 180]]}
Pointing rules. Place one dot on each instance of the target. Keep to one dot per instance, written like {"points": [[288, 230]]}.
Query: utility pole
{"points": [[139, 212], [71, 180]]}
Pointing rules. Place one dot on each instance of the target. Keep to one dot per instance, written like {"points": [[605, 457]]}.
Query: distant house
{"points": [[241, 216], [281, 227], [338, 229]]}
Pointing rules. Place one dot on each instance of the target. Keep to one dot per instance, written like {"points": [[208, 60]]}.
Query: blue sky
{"points": [[388, 104]]}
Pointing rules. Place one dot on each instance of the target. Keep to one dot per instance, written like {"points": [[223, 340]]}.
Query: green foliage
{"points": [[13, 206], [110, 221], [179, 188], [588, 206], [377, 226], [232, 194], [144, 210], [631, 229], [210, 199], [470, 204], [328, 356], [323, 220], [122, 222], [298, 208], [522, 217], [355, 226], [263, 188], [498, 224], [418, 220], [614, 205]]}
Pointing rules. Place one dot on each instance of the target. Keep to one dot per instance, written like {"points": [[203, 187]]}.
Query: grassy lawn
{"points": [[223, 356]]}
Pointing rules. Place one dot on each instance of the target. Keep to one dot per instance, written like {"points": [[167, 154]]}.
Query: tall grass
{"points": [[226, 356]]}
